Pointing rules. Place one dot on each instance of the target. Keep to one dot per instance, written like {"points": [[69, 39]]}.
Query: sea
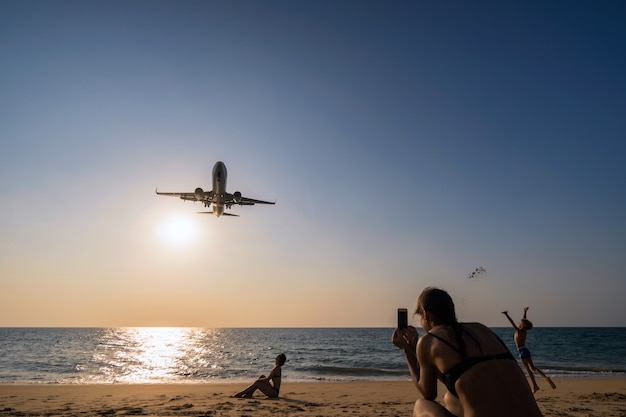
{"points": [[174, 355]]}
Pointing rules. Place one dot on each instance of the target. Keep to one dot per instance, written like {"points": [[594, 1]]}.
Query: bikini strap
{"points": [[456, 349]]}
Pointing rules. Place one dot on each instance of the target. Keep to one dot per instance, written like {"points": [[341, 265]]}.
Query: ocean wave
{"points": [[347, 371], [580, 371]]}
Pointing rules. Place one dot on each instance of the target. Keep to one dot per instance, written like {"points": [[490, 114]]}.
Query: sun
{"points": [[177, 230]]}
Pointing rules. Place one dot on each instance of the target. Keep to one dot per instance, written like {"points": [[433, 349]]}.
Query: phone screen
{"points": [[403, 321]]}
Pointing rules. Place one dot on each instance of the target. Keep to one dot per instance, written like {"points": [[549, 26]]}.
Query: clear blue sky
{"points": [[406, 143]]}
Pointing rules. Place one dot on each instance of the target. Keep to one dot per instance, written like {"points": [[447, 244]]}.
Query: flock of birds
{"points": [[477, 272]]}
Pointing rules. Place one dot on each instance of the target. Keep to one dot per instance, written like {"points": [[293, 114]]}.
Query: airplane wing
{"points": [[245, 201], [202, 196], [183, 196]]}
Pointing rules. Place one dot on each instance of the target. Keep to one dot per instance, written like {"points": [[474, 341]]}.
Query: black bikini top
{"points": [[454, 373]]}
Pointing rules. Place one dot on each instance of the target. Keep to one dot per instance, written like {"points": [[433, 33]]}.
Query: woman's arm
{"points": [[406, 339], [427, 382], [410, 355], [275, 372]]}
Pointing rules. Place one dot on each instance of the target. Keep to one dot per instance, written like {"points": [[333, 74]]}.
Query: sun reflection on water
{"points": [[159, 349], [152, 354]]}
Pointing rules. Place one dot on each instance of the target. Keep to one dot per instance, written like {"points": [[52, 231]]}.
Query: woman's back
{"points": [[488, 381]]}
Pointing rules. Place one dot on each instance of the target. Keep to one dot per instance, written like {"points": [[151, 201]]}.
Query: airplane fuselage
{"points": [[219, 188]]}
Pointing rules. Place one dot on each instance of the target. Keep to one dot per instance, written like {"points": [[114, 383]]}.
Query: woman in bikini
{"points": [[482, 376], [269, 385]]}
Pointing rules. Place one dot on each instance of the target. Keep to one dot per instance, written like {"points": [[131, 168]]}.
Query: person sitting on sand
{"points": [[482, 376], [524, 354], [269, 385]]}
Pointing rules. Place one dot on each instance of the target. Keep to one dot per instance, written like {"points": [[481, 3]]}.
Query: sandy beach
{"points": [[573, 397]]}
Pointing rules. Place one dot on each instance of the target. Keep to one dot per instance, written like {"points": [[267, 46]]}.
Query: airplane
{"points": [[217, 198]]}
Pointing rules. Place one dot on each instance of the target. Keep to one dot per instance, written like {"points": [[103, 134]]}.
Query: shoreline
{"points": [[572, 397], [290, 381]]}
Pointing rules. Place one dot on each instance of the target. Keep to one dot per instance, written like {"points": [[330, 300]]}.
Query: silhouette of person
{"points": [[524, 354], [269, 385]]}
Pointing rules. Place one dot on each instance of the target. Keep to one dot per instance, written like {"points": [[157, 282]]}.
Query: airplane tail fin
{"points": [[210, 212]]}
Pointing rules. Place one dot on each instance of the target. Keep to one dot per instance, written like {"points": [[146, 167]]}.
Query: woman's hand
{"points": [[403, 338]]}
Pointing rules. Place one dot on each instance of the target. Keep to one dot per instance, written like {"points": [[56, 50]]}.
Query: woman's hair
{"points": [[281, 359], [440, 305]]}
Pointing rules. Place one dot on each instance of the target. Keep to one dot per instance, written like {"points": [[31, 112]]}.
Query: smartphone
{"points": [[403, 320]]}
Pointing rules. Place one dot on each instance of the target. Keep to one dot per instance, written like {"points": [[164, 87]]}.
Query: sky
{"points": [[405, 143]]}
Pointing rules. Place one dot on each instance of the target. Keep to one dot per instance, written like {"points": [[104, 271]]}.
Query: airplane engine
{"points": [[199, 193], [236, 197]]}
